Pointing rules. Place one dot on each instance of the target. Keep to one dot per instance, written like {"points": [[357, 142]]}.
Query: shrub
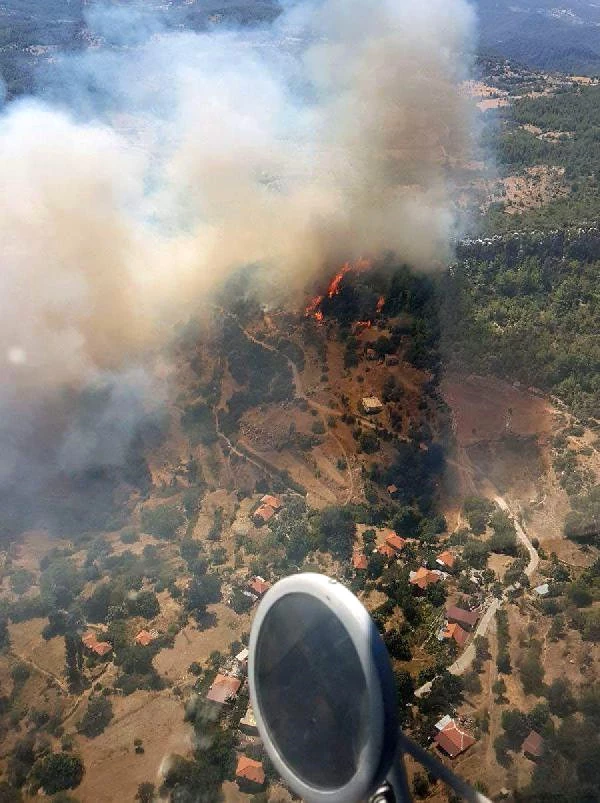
{"points": [[97, 716]]}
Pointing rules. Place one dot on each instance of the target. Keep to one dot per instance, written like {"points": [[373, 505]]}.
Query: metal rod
{"points": [[438, 769]]}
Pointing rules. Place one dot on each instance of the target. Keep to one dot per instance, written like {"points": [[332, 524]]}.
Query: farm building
{"points": [[371, 405], [446, 560], [249, 770], [466, 619], [224, 688], [455, 632], [452, 740], [423, 578]]}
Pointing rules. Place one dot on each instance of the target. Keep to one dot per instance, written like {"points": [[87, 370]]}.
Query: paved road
{"points": [[466, 658]]}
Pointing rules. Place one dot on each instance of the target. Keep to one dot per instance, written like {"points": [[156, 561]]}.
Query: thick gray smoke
{"points": [[168, 160], [178, 157]]}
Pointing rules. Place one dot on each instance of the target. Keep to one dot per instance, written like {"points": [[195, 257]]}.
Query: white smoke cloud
{"points": [[173, 158], [184, 156]]}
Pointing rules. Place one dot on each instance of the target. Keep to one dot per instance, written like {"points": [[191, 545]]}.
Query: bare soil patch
{"points": [[26, 641], [113, 769], [192, 644]]}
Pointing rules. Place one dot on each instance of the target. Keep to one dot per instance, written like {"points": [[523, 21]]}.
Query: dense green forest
{"points": [[528, 308], [573, 114]]}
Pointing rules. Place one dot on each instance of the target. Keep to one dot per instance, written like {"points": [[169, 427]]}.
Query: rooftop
{"points": [[223, 688], [271, 501], [533, 744], [455, 631], [101, 647], [143, 638], [446, 558], [264, 512], [423, 578], [395, 542], [453, 740], [250, 770], [468, 618], [359, 561], [259, 586]]}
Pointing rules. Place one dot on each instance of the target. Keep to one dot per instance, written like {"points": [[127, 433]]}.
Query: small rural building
{"points": [[371, 405], [271, 501], [446, 559], [262, 515], [387, 551], [259, 586], [224, 688], [89, 638], [452, 740], [370, 354], [251, 771], [90, 642], [248, 722], [441, 724], [101, 648], [543, 590], [466, 619], [144, 638], [359, 562], [456, 632], [242, 658], [392, 489], [395, 542], [533, 745], [423, 578]]}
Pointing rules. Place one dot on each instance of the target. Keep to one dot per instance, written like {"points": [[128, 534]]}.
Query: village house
{"points": [[395, 542], [101, 648], [242, 659], [451, 739], [533, 746], [271, 501], [446, 560], [371, 405], [249, 772], [387, 551], [423, 578], [392, 489], [259, 586], [90, 642], [248, 722], [359, 562], [144, 638], [466, 619], [262, 515], [543, 590], [224, 688], [456, 632]]}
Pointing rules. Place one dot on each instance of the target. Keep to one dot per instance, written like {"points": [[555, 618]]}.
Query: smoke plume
{"points": [[160, 161]]}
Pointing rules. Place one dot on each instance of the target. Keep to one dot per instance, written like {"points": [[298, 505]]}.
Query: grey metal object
{"points": [[323, 694]]}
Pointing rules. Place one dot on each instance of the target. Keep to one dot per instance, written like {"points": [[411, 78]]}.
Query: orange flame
{"points": [[334, 284], [380, 303]]}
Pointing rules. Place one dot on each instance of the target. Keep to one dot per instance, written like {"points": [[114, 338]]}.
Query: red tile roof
{"points": [[101, 648], [264, 512], [250, 770], [89, 639], [387, 551], [453, 740], [468, 618], [259, 586], [533, 744], [446, 559], [143, 638], [423, 578], [359, 561], [395, 542], [456, 632], [223, 688], [271, 501]]}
